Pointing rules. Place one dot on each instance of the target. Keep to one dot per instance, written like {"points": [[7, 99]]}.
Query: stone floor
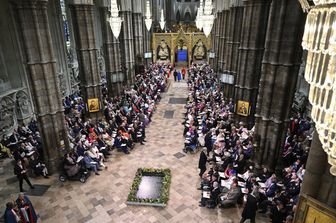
{"points": [[102, 198]]}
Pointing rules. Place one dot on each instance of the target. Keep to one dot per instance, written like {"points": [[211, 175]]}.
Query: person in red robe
{"points": [[183, 72], [26, 209]]}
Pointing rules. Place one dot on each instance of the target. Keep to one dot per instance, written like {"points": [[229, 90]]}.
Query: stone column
{"points": [[41, 67], [59, 45], [216, 40], [280, 66], [146, 40], [220, 39], [315, 167], [223, 36], [127, 45], [235, 19], [87, 52], [318, 182], [112, 55], [138, 34], [127, 41], [251, 52]]}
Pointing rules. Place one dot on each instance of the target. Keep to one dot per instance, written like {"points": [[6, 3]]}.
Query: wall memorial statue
{"points": [[199, 51], [163, 51]]}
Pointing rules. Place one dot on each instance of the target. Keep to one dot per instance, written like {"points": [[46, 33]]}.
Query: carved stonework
{"points": [[73, 70], [62, 83], [23, 105], [7, 114], [101, 64]]}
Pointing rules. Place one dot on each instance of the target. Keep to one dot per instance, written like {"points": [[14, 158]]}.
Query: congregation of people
{"points": [[228, 174], [124, 123], [232, 178], [24, 147]]}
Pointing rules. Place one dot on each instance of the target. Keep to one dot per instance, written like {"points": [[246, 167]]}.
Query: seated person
{"points": [[107, 139], [271, 189], [94, 153], [38, 167], [231, 197], [190, 142], [214, 195], [5, 150], [229, 171], [264, 175], [213, 200], [119, 144], [102, 146], [80, 150], [27, 148], [70, 165], [91, 164]]}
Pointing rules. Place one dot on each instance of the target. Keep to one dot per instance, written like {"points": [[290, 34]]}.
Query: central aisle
{"points": [[102, 198]]}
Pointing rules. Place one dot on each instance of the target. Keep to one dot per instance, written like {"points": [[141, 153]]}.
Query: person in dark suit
{"points": [[202, 163], [215, 192], [175, 75], [250, 208], [21, 173], [208, 142], [270, 191]]}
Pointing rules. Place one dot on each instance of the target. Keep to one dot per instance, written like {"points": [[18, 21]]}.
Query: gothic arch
{"points": [[178, 16], [187, 14]]}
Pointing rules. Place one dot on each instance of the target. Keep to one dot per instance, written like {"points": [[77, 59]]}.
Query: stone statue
{"points": [[101, 65], [23, 103], [199, 50], [163, 51]]}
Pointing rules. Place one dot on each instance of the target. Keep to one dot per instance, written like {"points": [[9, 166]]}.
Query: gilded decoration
{"points": [[180, 40], [312, 211]]}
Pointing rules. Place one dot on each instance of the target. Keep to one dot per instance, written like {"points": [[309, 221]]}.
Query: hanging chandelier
{"points": [[207, 18], [199, 15], [162, 21], [114, 20], [148, 19], [319, 40]]}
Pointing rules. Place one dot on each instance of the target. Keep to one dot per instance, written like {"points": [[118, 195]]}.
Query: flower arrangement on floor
{"points": [[164, 195]]}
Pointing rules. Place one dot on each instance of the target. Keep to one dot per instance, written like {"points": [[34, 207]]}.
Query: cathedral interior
{"points": [[229, 105]]}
